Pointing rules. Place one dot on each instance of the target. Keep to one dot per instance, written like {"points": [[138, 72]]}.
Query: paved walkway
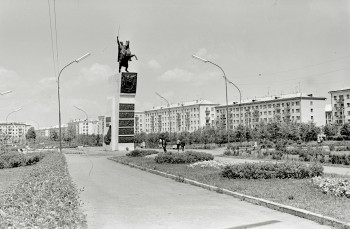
{"points": [[117, 196]]}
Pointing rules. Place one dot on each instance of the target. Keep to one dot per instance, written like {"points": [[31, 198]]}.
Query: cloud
{"points": [[97, 72], [176, 75], [202, 52], [48, 81], [153, 64], [10, 79]]}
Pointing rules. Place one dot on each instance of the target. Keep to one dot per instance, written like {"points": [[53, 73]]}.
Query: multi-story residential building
{"points": [[187, 116], [328, 113], [139, 122], [85, 127], [340, 101], [14, 131], [299, 107]]}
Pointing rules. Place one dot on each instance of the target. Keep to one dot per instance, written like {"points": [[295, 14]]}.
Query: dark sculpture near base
{"points": [[124, 54]]}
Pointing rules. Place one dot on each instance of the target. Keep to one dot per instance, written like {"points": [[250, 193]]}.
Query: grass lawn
{"points": [[10, 177], [292, 192]]}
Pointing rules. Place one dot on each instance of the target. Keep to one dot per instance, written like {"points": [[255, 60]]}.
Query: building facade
{"points": [[85, 127], [187, 116], [340, 102], [44, 132], [299, 107], [139, 122], [14, 132]]}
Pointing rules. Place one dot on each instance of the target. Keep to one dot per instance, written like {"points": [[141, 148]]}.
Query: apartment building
{"points": [[299, 107], [45, 131], [139, 122], [340, 102], [186, 116], [14, 132], [85, 127]]}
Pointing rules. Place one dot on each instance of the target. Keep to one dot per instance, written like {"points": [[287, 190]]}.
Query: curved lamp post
{"points": [[169, 112], [240, 100], [5, 92], [58, 93], [208, 61]]}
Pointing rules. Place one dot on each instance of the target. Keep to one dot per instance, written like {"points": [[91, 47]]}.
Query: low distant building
{"points": [[85, 127], [299, 107], [44, 132], [14, 132], [340, 102]]}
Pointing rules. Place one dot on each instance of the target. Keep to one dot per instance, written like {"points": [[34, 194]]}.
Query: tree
{"points": [[330, 129], [345, 129], [31, 134], [70, 135], [53, 135]]}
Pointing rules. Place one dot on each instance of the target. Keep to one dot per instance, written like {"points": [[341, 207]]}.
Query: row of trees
{"points": [[274, 131], [69, 137]]}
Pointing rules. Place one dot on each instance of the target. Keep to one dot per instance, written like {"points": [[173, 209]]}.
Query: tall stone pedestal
{"points": [[123, 112]]}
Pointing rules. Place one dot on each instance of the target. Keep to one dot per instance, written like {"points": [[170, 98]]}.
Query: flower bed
{"points": [[141, 153], [272, 170], [336, 186], [44, 198], [15, 159], [180, 158]]}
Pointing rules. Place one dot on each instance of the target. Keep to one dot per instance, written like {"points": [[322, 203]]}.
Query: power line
{"points": [[54, 9], [52, 48]]}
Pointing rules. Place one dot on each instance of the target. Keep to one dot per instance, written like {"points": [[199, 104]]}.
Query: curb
{"points": [[324, 220]]}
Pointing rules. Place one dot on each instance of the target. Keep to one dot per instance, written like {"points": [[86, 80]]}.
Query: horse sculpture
{"points": [[124, 54]]}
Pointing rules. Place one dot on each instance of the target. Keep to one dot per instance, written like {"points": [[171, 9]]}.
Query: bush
{"points": [[271, 170], [45, 198], [15, 159], [340, 159], [141, 153], [183, 158]]}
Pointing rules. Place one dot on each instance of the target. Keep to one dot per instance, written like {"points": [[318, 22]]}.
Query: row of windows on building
{"points": [[341, 97]]}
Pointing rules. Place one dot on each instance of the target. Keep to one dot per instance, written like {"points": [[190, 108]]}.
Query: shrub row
{"points": [[180, 158], [141, 153], [272, 170], [44, 198], [340, 159], [15, 159]]}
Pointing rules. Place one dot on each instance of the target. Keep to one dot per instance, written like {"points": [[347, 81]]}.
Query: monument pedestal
{"points": [[123, 113]]}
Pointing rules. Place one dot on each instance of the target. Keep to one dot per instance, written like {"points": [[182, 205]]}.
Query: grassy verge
{"points": [[297, 193], [10, 177], [44, 198]]}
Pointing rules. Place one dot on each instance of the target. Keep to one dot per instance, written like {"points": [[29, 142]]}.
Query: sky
{"points": [[265, 47]]}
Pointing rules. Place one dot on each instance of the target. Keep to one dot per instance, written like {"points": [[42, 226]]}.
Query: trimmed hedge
{"points": [[340, 159], [141, 153], [15, 159], [183, 158], [272, 170], [44, 198]]}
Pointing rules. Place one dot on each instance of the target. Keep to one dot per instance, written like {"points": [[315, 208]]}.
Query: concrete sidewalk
{"points": [[117, 196]]}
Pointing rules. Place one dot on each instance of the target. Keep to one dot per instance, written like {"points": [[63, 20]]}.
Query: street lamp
{"points": [[5, 92], [208, 61], [240, 100], [58, 93], [169, 113]]}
